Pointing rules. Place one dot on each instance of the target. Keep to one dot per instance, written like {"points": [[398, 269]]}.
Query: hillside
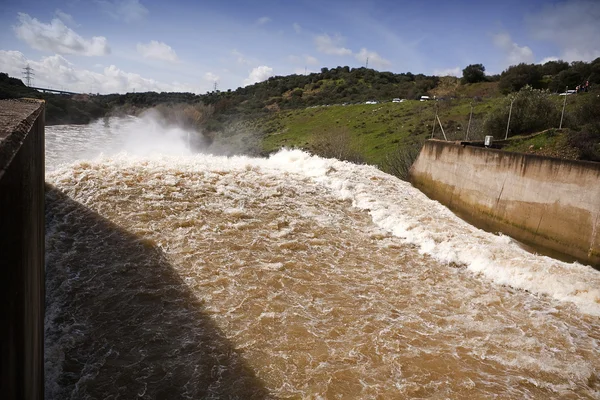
{"points": [[348, 113]]}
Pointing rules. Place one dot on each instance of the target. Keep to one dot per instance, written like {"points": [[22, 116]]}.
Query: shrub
{"points": [[398, 161], [533, 111], [337, 143]]}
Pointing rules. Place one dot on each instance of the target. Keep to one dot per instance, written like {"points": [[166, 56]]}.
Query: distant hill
{"points": [[325, 111]]}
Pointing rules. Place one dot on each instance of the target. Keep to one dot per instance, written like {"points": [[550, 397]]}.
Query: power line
{"points": [[27, 74]]}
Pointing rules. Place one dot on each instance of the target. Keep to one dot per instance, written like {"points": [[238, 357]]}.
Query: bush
{"points": [[337, 144], [398, 161], [587, 138], [533, 111]]}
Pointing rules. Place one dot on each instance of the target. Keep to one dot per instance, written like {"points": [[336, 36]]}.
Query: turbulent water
{"points": [[172, 275]]}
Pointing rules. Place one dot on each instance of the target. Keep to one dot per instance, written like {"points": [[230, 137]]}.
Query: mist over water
{"points": [[180, 275]]}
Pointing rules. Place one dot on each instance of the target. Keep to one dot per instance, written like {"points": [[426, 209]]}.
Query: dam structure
{"points": [[542, 201], [175, 274]]}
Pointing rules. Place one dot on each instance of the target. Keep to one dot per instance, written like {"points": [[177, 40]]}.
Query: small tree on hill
{"points": [[473, 73]]}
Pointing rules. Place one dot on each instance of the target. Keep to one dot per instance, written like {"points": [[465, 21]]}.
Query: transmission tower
{"points": [[27, 74], [216, 85]]}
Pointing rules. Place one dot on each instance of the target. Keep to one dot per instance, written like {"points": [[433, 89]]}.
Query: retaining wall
{"points": [[22, 249], [541, 201]]}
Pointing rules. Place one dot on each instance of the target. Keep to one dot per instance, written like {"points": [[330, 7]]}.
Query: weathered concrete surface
{"points": [[22, 249], [541, 201]]}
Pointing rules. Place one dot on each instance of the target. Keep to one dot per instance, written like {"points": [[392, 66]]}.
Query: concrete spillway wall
{"points": [[541, 201], [22, 249]]}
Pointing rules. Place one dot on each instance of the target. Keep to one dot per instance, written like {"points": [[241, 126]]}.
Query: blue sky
{"points": [[124, 45]]}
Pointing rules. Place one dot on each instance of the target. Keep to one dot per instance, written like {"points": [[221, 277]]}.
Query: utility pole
{"points": [[563, 110], [28, 73]]}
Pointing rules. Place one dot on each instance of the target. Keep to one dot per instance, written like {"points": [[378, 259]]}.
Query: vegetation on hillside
{"points": [[325, 112]]}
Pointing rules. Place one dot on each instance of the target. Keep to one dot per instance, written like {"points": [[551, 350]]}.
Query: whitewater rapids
{"points": [[173, 275]]}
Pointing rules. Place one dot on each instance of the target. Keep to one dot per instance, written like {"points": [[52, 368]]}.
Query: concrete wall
{"points": [[21, 249], [541, 201]]}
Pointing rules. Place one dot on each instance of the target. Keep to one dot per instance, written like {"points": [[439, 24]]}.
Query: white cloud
{"points": [[263, 20], [306, 59], [456, 71], [515, 54], [297, 27], [303, 71], [310, 60], [240, 58], [209, 76], [158, 51], [64, 17], [57, 72], [258, 74], [57, 37], [331, 45], [548, 59], [125, 10], [375, 60], [572, 26]]}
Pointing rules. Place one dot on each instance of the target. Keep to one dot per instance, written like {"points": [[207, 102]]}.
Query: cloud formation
{"points": [[64, 17], [375, 60], [572, 26], [57, 72], [157, 51], [515, 54], [258, 74], [331, 45], [456, 71], [56, 37], [297, 27], [124, 10], [305, 59], [209, 76], [263, 20]]}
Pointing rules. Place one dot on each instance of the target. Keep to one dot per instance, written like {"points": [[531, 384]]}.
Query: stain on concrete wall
{"points": [[541, 201]]}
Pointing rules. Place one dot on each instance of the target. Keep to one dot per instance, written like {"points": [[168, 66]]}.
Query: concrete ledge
{"points": [[544, 202], [22, 249]]}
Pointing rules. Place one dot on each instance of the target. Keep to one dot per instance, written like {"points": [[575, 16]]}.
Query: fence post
{"points": [[469, 125], [509, 114], [434, 117], [563, 110], [441, 127]]}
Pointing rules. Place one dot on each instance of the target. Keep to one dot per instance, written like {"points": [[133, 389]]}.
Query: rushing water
{"points": [[195, 276]]}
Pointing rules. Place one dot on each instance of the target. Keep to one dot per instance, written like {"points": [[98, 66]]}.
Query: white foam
{"points": [[403, 211]]}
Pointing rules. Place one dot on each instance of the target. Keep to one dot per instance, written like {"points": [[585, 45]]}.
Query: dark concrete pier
{"points": [[22, 249]]}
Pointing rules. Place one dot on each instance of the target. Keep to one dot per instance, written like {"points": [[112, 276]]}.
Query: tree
{"points": [[473, 73], [554, 67], [518, 76]]}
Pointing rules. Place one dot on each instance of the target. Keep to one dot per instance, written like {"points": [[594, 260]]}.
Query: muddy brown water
{"points": [[197, 276]]}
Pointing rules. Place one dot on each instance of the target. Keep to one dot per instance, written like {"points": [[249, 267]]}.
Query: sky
{"points": [[118, 46]]}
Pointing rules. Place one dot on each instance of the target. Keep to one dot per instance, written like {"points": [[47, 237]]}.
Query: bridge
{"points": [[46, 90]]}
